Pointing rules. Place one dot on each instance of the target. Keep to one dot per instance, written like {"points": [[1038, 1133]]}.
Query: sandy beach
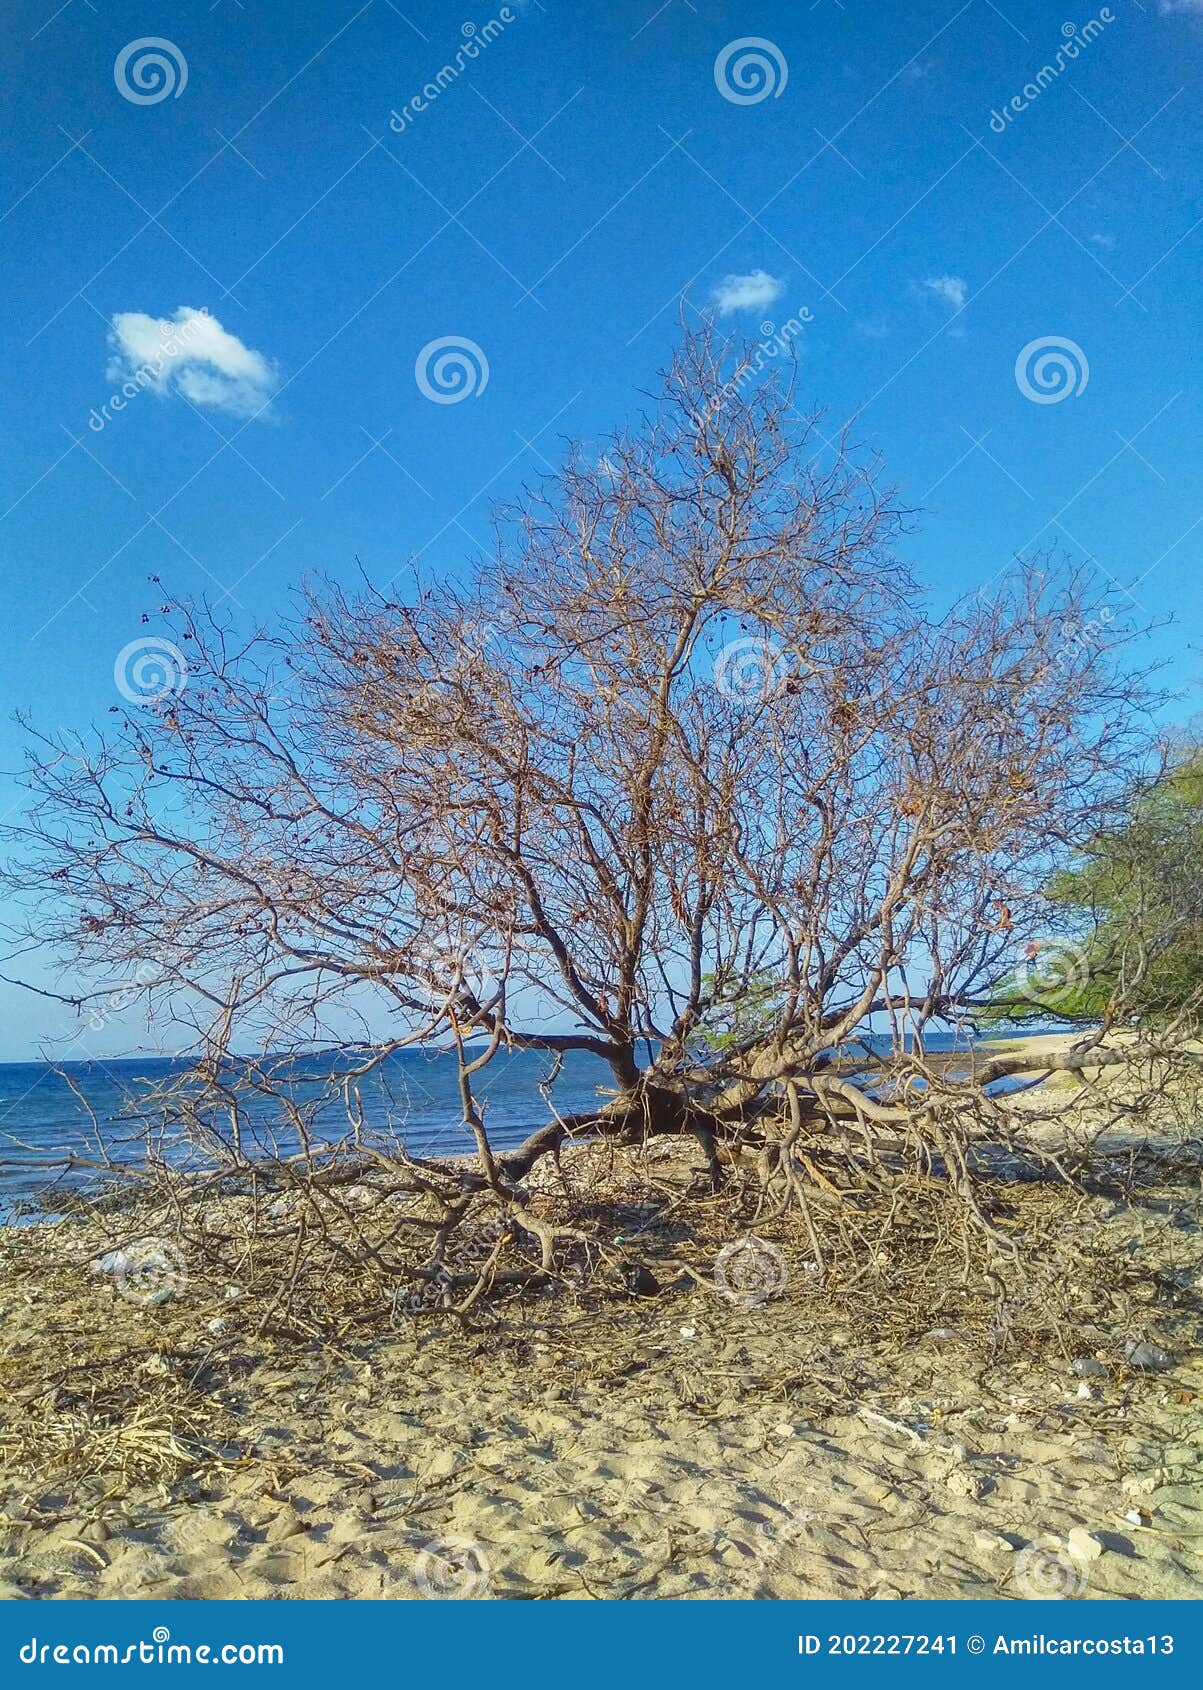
{"points": [[918, 1444], [701, 1458]]}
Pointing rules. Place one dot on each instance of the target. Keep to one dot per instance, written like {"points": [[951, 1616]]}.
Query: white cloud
{"points": [[190, 353], [747, 293], [951, 289], [1171, 6], [1107, 242]]}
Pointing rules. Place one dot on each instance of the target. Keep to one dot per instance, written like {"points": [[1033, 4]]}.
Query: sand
{"points": [[707, 1452]]}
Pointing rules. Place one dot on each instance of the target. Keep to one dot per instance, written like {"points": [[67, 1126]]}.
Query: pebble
{"points": [[87, 1531], [784, 1430], [217, 1326], [1084, 1545], [1140, 1484], [1148, 1358], [285, 1525], [1086, 1367], [1086, 1393]]}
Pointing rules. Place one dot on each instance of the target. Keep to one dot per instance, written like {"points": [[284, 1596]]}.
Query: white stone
{"points": [[1084, 1545]]}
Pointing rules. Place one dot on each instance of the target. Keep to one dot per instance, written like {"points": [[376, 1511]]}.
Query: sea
{"points": [[46, 1111], [50, 1115]]}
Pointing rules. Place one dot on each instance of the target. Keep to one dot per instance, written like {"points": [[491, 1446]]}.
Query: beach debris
{"points": [[150, 1270], [1087, 1367], [1084, 1545], [286, 1524], [1146, 1357], [1140, 1484], [875, 1419], [218, 1326], [642, 1281], [689, 1332], [961, 1482], [945, 1335], [1086, 1393]]}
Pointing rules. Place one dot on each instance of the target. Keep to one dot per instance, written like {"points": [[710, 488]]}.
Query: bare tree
{"points": [[686, 777]]}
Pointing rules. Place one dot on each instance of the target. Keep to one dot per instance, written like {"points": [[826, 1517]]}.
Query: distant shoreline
{"points": [[428, 1051]]}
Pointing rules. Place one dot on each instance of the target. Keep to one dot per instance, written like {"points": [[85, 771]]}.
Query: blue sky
{"points": [[552, 206]]}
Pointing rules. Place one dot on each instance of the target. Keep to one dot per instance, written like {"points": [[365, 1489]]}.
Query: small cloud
{"points": [[1107, 242], [873, 328], [951, 289], [747, 293], [191, 354], [1169, 7]]}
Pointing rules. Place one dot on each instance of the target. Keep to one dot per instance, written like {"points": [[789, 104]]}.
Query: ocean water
{"points": [[414, 1094]]}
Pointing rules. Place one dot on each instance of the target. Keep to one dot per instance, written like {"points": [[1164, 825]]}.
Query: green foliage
{"points": [[739, 1010], [1134, 898]]}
